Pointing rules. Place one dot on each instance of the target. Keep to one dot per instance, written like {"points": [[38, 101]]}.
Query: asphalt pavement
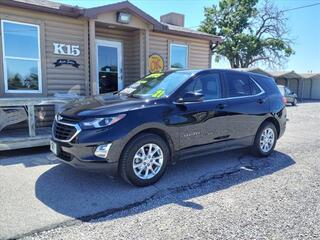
{"points": [[222, 196]]}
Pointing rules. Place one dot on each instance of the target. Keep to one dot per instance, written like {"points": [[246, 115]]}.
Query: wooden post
{"points": [[142, 57], [93, 56], [147, 47], [86, 57], [31, 121]]}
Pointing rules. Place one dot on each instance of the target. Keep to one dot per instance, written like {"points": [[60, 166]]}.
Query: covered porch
{"points": [[118, 48]]}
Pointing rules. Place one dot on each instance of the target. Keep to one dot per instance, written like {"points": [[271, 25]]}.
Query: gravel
{"points": [[271, 198]]}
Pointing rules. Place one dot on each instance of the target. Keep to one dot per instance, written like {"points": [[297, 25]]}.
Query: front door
{"points": [[203, 122], [109, 66]]}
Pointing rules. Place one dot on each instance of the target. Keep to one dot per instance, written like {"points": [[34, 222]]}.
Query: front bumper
{"points": [[82, 157]]}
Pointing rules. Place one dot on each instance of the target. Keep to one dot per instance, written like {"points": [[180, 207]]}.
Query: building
{"points": [[305, 85], [49, 47]]}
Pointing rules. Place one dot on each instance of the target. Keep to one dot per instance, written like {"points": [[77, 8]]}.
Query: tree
{"points": [[252, 33]]}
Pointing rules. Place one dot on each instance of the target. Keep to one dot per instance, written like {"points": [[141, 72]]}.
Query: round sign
{"points": [[156, 63]]}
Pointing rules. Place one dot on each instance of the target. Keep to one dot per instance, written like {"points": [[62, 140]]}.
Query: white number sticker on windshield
{"points": [[128, 90], [135, 85]]}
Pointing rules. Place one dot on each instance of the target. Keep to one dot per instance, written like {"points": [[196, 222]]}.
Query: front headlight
{"points": [[101, 122]]}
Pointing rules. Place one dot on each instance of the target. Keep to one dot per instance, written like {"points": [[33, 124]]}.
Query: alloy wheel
{"points": [[267, 139], [148, 161]]}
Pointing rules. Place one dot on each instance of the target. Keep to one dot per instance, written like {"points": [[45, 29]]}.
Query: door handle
{"points": [[260, 101], [221, 106]]}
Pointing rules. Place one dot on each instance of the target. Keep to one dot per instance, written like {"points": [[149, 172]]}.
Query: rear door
{"points": [[247, 104]]}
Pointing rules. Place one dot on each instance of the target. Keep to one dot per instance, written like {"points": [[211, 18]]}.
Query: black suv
{"points": [[169, 116]]}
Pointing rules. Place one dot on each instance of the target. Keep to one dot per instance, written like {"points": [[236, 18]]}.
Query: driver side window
{"points": [[209, 85]]}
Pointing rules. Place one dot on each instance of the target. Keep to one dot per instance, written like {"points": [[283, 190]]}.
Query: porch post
{"points": [[143, 51], [93, 56], [31, 121], [147, 52], [86, 58]]}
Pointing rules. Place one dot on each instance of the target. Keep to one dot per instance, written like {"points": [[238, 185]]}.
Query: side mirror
{"points": [[191, 97]]}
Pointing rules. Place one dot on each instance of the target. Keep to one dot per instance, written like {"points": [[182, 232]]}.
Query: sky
{"points": [[304, 24]]}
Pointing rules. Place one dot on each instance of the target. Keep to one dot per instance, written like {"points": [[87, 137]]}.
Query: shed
{"points": [[305, 85]]}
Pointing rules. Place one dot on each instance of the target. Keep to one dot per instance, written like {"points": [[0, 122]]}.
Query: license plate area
{"points": [[53, 147]]}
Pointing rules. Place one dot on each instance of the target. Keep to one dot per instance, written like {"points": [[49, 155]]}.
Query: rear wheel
{"points": [[144, 160], [295, 102], [265, 140]]}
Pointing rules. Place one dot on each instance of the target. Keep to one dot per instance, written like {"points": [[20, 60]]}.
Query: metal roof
{"points": [[45, 6], [282, 74], [75, 11], [310, 75]]}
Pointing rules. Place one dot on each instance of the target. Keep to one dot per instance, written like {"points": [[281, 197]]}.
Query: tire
{"points": [[260, 147], [132, 160], [294, 103]]}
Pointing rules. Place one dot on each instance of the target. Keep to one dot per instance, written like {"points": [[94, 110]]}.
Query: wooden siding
{"points": [[199, 52], [57, 29], [60, 79], [66, 77], [131, 50]]}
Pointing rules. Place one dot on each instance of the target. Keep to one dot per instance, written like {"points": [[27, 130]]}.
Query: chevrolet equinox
{"points": [[168, 116]]}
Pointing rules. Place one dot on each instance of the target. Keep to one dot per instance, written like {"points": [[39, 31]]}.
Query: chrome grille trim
{"points": [[76, 126]]}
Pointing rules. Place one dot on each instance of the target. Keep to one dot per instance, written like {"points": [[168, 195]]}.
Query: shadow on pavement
{"points": [[29, 157], [87, 196]]}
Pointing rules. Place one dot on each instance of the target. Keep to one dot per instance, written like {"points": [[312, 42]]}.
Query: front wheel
{"points": [[265, 140], [144, 160]]}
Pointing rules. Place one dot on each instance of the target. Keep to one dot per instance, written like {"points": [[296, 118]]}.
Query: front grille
{"points": [[65, 156], [63, 132], [69, 119]]}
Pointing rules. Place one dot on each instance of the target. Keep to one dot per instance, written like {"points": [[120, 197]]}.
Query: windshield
{"points": [[157, 85], [281, 89]]}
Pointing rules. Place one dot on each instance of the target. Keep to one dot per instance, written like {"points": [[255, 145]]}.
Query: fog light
{"points": [[102, 150]]}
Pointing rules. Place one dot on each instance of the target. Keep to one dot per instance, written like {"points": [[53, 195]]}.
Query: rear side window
{"points": [[255, 89], [238, 84], [268, 84]]}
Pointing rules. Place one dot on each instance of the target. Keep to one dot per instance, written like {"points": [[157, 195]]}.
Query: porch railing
{"points": [[29, 103]]}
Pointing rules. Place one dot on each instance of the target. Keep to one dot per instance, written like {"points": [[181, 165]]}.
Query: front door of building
{"points": [[109, 66]]}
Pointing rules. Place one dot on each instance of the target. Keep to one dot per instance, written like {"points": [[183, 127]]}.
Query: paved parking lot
{"points": [[226, 195]]}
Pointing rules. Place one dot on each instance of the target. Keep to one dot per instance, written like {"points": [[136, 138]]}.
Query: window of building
{"points": [[178, 56], [21, 57]]}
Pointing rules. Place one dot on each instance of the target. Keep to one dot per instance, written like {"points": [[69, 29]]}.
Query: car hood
{"points": [[102, 105]]}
